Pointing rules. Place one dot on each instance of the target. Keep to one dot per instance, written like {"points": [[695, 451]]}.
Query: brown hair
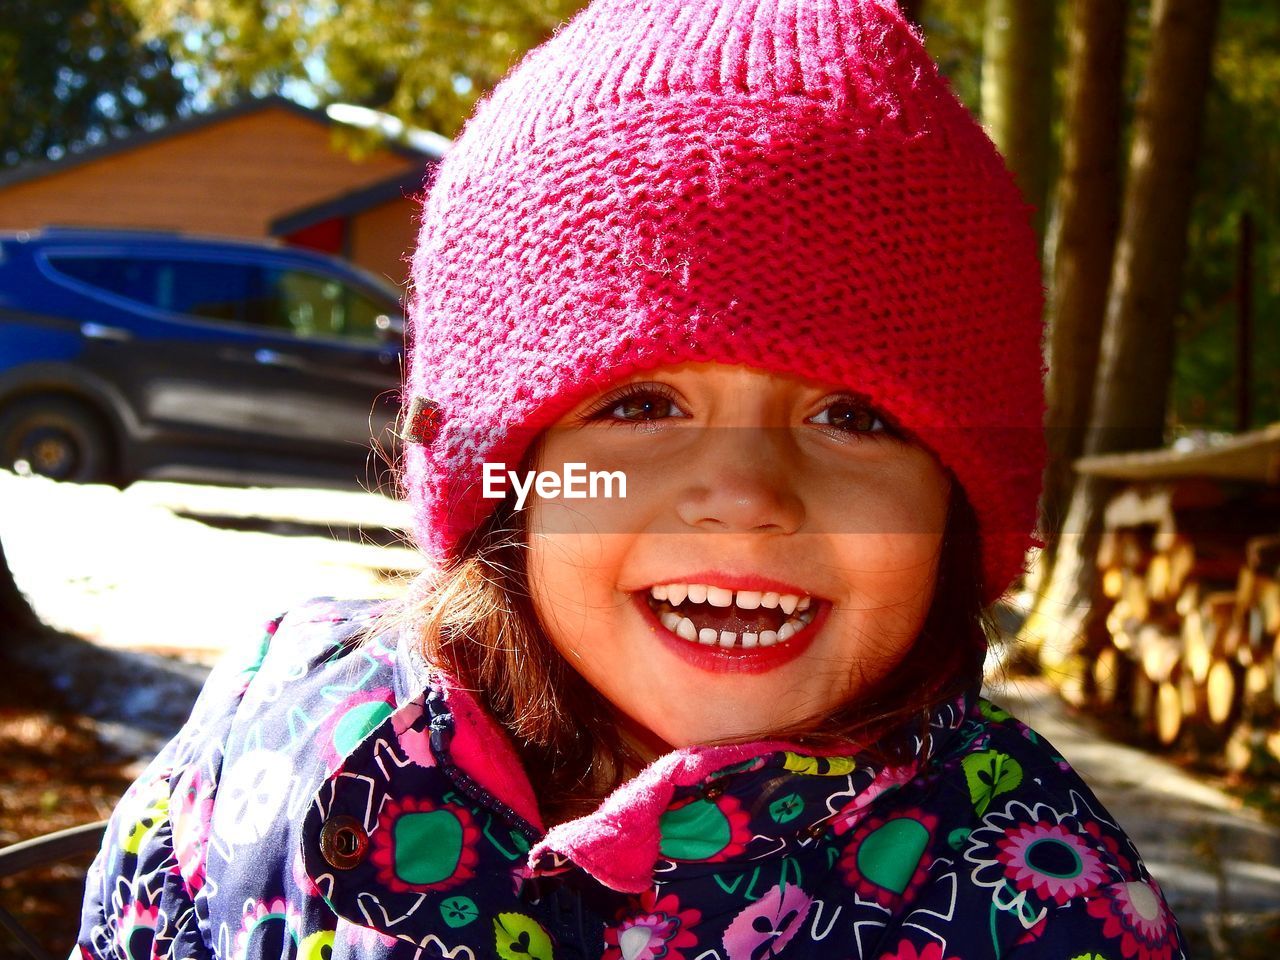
{"points": [[477, 623]]}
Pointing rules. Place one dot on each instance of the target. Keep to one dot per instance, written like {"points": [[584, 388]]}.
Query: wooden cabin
{"points": [[266, 169]]}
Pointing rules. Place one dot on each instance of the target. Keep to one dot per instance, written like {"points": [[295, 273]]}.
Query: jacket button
{"points": [[343, 842], [814, 831], [714, 791]]}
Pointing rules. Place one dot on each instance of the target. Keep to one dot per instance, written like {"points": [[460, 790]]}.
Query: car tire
{"points": [[56, 437]]}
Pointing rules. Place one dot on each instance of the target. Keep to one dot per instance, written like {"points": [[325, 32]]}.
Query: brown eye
{"points": [[851, 416], [643, 406], [637, 405]]}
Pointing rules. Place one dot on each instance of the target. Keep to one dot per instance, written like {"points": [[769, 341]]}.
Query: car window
{"points": [[134, 279], [313, 304], [218, 291], [211, 289], [302, 302]]}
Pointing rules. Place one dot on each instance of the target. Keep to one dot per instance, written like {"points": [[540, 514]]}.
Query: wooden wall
{"points": [[230, 178], [382, 238]]}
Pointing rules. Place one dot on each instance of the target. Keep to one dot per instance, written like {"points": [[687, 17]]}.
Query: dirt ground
{"points": [[57, 774], [110, 572]]}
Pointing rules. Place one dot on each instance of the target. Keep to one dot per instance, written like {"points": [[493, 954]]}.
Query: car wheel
{"points": [[55, 437]]}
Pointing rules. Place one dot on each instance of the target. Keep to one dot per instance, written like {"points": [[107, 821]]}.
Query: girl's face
{"points": [[775, 553]]}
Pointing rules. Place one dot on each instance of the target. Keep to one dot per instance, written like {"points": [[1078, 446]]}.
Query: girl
{"points": [[754, 261]]}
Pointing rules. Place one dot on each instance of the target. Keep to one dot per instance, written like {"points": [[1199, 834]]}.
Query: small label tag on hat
{"points": [[422, 422]]}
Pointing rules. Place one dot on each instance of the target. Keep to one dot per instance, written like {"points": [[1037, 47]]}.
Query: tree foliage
{"points": [[953, 32], [425, 62], [73, 73], [1239, 172]]}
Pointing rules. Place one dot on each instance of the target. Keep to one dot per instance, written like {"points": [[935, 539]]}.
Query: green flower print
{"points": [[990, 773], [459, 911], [521, 938]]}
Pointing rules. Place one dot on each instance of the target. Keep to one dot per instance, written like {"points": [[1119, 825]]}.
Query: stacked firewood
{"points": [[1190, 572]]}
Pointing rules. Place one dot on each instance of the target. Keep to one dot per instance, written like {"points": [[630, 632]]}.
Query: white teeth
{"points": [[719, 596], [727, 639], [677, 593], [674, 594]]}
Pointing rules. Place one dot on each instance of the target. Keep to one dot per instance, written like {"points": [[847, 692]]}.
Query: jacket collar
{"points": [[647, 819], [432, 812]]}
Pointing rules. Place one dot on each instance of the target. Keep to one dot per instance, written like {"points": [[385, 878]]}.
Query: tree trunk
{"points": [[1244, 324], [1017, 91], [1083, 243], [1136, 365], [15, 613]]}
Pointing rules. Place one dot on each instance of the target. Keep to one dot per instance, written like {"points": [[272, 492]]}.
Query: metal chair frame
{"points": [[42, 852]]}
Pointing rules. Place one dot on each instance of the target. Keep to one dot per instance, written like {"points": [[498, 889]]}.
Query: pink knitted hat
{"points": [[785, 184]]}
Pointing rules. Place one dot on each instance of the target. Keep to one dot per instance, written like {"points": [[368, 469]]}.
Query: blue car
{"points": [[130, 354]]}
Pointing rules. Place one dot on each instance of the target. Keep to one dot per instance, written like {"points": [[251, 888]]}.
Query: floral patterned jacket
{"points": [[332, 798]]}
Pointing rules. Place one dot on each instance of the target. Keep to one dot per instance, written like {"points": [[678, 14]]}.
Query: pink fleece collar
{"points": [[483, 751], [618, 842]]}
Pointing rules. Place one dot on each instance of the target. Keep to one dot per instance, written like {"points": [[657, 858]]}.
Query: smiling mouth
{"points": [[730, 619]]}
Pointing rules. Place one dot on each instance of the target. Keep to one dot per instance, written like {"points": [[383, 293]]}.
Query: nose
{"points": [[742, 483]]}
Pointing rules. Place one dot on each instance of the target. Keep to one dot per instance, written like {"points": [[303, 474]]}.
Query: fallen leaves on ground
{"points": [[55, 776]]}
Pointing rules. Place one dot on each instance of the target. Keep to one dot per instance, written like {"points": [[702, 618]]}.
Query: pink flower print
{"points": [[1050, 859], [266, 924], [906, 950], [850, 815], [302, 880], [1135, 913], [1039, 855], [365, 940], [764, 929], [351, 721], [888, 858], [191, 810], [703, 828], [658, 930], [136, 930], [520, 875], [1110, 844], [420, 846]]}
